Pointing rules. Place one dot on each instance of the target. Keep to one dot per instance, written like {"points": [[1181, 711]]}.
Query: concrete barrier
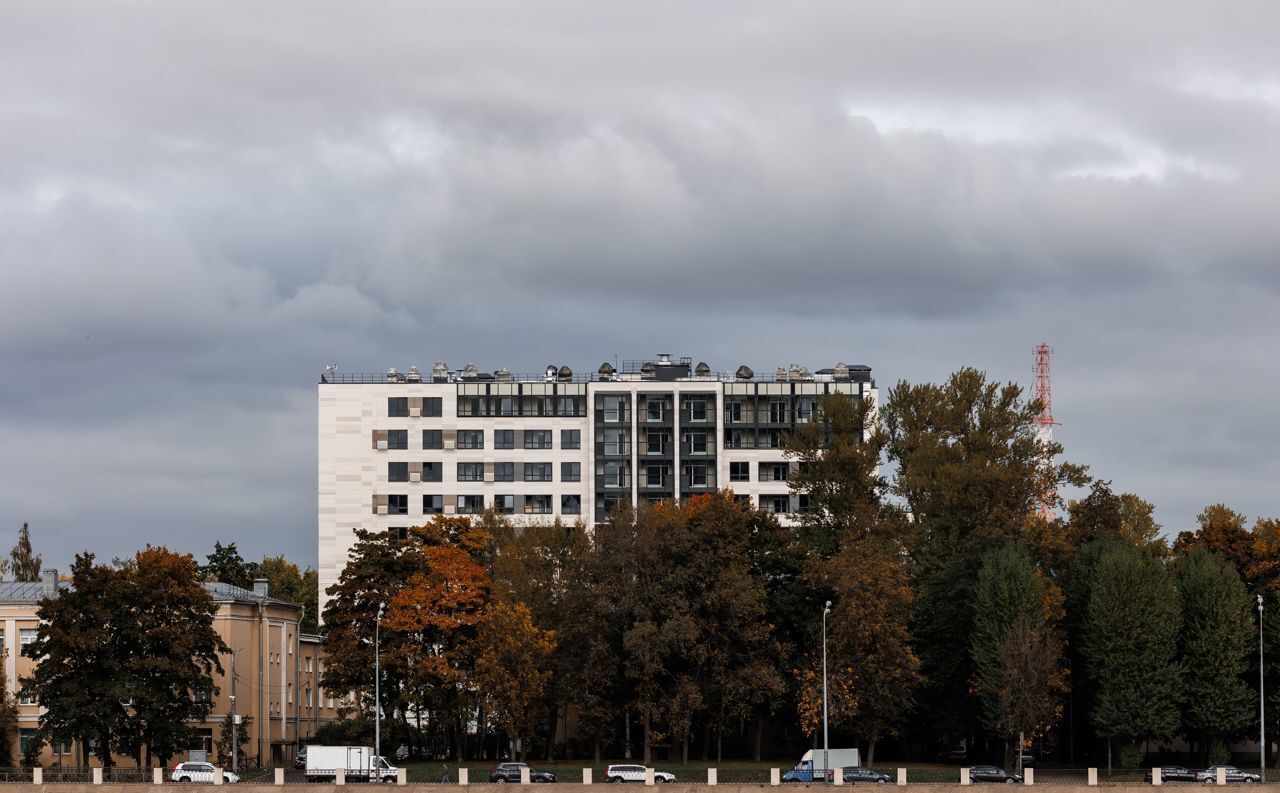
{"points": [[464, 776], [1155, 777], [37, 775], [586, 776], [711, 776], [279, 776], [902, 776], [157, 776], [218, 776], [97, 776], [1028, 776], [1093, 777], [340, 777], [402, 776], [775, 777], [257, 787], [648, 777], [524, 774], [964, 776], [1222, 775]]}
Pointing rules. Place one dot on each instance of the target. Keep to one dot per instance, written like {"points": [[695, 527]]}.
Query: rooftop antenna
{"points": [[330, 368], [1043, 392]]}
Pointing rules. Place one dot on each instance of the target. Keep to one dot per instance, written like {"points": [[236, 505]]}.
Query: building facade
{"points": [[276, 667], [398, 448]]}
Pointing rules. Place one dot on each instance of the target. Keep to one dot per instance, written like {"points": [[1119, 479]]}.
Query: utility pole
{"points": [[377, 685], [235, 720], [1262, 701], [825, 746]]}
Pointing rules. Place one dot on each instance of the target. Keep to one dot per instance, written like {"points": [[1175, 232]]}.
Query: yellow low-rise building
{"points": [[276, 667]]}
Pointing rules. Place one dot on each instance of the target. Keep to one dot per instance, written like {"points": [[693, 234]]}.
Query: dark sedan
{"points": [[855, 774], [510, 772], [989, 773], [1172, 773]]}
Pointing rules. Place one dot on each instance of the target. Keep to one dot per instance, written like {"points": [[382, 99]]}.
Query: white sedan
{"points": [[201, 773]]}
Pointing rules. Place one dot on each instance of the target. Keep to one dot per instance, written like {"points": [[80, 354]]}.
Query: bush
{"points": [[1130, 755], [1218, 753]]}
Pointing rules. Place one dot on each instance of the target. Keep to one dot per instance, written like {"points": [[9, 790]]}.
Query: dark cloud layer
{"points": [[203, 204]]}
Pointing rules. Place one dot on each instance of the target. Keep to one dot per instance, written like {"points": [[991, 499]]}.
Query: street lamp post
{"points": [[826, 748], [235, 719], [377, 684], [1262, 701]]}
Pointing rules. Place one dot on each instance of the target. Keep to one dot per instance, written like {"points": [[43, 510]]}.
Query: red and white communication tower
{"points": [[1043, 391]]}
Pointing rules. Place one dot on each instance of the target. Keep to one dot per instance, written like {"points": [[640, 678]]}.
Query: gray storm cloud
{"points": [[203, 204]]}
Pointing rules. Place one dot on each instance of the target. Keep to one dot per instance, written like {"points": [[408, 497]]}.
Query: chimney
{"points": [[50, 580], [260, 586]]}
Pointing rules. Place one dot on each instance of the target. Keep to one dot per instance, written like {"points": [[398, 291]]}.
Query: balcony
{"points": [[613, 449], [697, 484], [656, 483], [707, 449], [604, 482], [656, 449], [613, 417]]}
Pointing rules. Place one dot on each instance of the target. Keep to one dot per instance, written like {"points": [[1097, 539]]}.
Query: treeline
{"points": [[958, 611]]}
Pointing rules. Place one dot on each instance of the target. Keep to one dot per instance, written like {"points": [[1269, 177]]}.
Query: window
{"points": [[773, 472], [571, 406], [732, 412], [616, 442], [739, 439], [504, 472], [656, 476], [505, 504], [27, 739], [470, 439], [537, 439], [537, 472], [537, 505], [398, 533], [655, 409], [470, 472], [470, 505], [697, 409], [308, 697], [398, 505], [696, 475], [615, 474], [432, 407], [695, 442], [777, 411], [398, 407], [27, 635], [431, 439], [397, 472], [802, 502], [504, 406], [775, 504], [62, 747], [570, 439], [25, 697], [770, 439], [740, 472], [656, 442], [570, 472], [571, 505], [397, 439], [432, 505], [615, 408], [805, 409], [431, 471], [504, 439], [204, 739]]}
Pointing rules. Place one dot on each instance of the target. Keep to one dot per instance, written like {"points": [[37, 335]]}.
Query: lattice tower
{"points": [[1043, 391]]}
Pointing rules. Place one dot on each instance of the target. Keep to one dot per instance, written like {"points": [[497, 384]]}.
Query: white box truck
{"points": [[811, 768], [359, 763]]}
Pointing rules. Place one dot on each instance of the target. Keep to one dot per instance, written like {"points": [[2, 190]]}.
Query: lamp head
{"points": [[827, 609]]}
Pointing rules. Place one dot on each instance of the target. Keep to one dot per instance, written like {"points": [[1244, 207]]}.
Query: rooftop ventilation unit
{"points": [[565, 373], [664, 358], [469, 372], [394, 377], [842, 371], [550, 374], [702, 370], [440, 372], [606, 371], [502, 375], [744, 372], [414, 375], [780, 375]]}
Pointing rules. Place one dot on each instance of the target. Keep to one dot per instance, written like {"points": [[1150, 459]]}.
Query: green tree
{"points": [[225, 737], [1016, 648], [838, 471], [80, 680], [23, 563], [227, 566], [287, 582], [8, 718], [971, 469], [513, 659], [1216, 644], [1131, 644]]}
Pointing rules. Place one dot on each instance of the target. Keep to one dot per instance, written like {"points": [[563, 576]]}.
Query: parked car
{"points": [[635, 773], [200, 772], [300, 759], [510, 772], [859, 773], [956, 754], [1210, 775], [989, 773], [1172, 773]]}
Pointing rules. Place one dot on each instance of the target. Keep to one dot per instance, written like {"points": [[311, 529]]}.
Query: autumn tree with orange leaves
{"points": [[434, 584], [512, 670]]}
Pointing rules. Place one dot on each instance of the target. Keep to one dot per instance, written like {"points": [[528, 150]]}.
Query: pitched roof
{"points": [[23, 591], [35, 591]]}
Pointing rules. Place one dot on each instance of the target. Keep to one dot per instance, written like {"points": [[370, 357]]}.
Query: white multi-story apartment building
{"points": [[397, 448]]}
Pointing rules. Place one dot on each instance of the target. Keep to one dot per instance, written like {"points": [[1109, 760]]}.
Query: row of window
{"points": [[530, 406], [767, 472], [25, 636], [475, 472], [571, 504], [428, 407], [474, 439]]}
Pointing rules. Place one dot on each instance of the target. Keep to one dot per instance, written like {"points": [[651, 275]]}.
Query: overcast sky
{"points": [[202, 204]]}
